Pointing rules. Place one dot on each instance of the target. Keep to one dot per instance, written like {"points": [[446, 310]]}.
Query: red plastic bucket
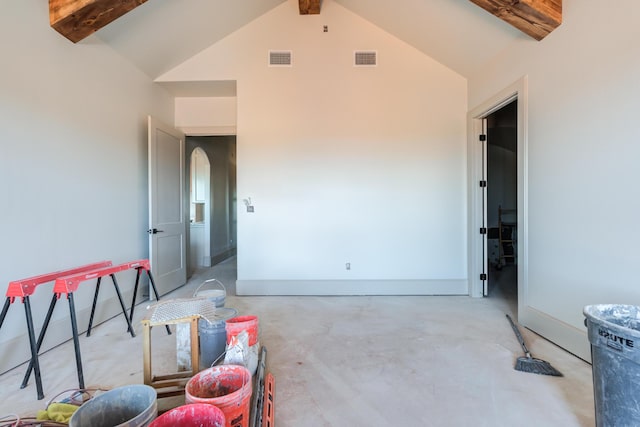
{"points": [[226, 386], [243, 323], [194, 415]]}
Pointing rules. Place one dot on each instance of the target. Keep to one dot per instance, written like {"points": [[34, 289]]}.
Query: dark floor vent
{"points": [[280, 58], [367, 58]]}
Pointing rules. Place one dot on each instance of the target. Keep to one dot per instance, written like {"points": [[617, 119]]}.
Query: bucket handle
{"points": [[224, 353], [77, 397], [244, 380], [12, 418], [209, 281]]}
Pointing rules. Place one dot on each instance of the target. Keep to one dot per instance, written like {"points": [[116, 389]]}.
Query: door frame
{"points": [[213, 259], [476, 256]]}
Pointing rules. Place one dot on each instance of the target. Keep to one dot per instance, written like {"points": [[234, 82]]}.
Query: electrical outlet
{"points": [[249, 208], [348, 266]]}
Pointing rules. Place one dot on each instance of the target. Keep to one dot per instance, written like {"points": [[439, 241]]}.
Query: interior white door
{"points": [[167, 219]]}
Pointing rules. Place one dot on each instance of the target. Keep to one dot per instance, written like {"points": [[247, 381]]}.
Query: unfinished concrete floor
{"points": [[359, 361]]}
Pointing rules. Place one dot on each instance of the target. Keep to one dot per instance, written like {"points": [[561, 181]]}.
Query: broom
{"points": [[527, 363]]}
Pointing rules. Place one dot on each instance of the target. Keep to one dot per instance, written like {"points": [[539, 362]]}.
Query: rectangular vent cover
{"points": [[280, 58], [367, 58]]}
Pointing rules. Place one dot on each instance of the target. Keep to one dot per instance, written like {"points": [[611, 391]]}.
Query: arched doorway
{"points": [[200, 209]]}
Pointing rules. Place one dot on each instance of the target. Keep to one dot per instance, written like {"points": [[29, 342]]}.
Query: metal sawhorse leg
{"points": [[32, 340], [146, 267], [23, 289], [70, 283]]}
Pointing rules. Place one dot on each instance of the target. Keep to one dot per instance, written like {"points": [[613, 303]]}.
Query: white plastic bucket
{"points": [[216, 295]]}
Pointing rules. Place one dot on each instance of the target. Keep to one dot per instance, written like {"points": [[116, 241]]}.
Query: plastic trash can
{"points": [[614, 334]]}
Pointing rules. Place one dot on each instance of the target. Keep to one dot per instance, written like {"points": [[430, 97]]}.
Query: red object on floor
{"points": [[226, 386], [194, 415], [24, 288], [243, 323], [269, 404]]}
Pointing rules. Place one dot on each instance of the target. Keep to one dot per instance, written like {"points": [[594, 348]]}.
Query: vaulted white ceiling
{"points": [[161, 34], [456, 33]]}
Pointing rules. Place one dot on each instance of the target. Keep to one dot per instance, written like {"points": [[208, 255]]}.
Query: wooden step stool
{"points": [[170, 312]]}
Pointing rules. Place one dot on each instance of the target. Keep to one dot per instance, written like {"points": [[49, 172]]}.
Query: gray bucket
{"points": [[128, 406], [213, 336], [217, 295], [614, 334]]}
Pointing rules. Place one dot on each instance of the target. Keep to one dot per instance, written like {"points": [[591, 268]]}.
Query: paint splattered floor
{"points": [[360, 361]]}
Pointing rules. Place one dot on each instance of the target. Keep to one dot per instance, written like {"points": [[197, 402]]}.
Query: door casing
{"points": [[477, 253]]}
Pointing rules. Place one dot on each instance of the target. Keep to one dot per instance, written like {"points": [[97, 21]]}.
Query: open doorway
{"points": [[479, 206], [502, 201], [211, 173], [199, 210]]}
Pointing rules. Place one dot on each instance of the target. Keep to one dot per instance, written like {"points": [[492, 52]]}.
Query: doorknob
{"points": [[154, 231]]}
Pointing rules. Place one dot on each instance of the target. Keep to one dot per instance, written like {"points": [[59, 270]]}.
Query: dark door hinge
{"points": [[483, 184], [483, 230], [483, 137], [483, 276]]}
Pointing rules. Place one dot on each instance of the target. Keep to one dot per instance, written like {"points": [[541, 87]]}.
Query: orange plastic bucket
{"points": [[194, 415], [243, 323], [226, 386]]}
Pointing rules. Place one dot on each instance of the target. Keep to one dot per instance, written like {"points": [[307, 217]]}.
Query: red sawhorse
{"points": [[70, 283], [146, 266], [23, 289], [140, 265]]}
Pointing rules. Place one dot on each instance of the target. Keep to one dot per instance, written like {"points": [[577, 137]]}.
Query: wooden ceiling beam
{"points": [[309, 7], [77, 19], [536, 18]]}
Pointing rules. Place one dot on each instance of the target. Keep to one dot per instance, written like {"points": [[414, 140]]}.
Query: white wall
{"points": [[583, 204], [73, 171], [206, 115], [343, 164]]}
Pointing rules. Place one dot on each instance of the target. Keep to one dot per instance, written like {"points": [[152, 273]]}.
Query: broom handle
{"points": [[519, 336]]}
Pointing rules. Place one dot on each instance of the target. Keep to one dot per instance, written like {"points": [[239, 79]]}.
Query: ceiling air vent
{"points": [[366, 58], [280, 58]]}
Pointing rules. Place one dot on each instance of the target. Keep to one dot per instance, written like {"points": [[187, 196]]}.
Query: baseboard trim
{"points": [[218, 258], [572, 339], [352, 287]]}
